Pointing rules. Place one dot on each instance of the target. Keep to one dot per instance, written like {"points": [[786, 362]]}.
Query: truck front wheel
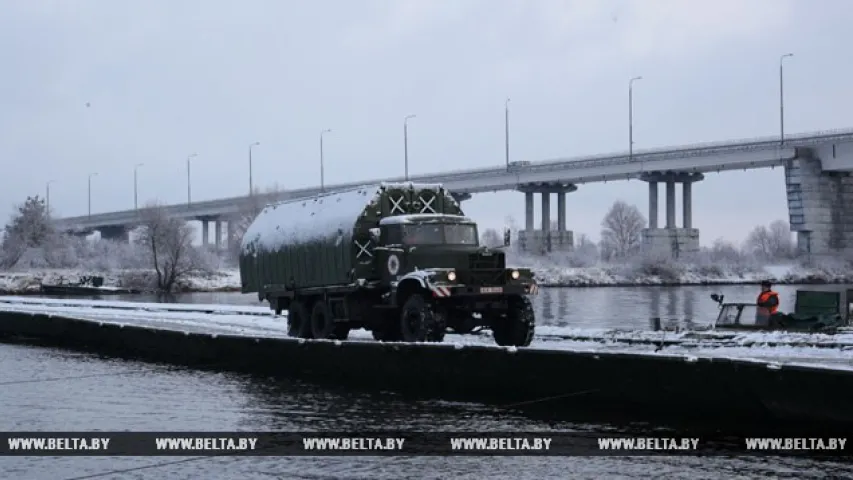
{"points": [[298, 321], [516, 329], [418, 322]]}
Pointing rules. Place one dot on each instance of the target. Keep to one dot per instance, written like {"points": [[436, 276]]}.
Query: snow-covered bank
{"points": [[682, 275], [28, 282], [228, 280]]}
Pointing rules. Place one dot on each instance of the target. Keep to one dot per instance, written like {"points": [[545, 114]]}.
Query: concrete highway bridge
{"points": [[818, 178]]}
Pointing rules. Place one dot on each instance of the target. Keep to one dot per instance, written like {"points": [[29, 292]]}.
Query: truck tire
{"points": [[388, 327], [298, 321], [519, 325], [322, 321], [418, 321]]}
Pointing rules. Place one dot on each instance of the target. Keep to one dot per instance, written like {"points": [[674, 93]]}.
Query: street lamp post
{"points": [[47, 188], [251, 186], [135, 196], [506, 130], [782, 98], [90, 192], [322, 177], [189, 191], [631, 117], [406, 143]]}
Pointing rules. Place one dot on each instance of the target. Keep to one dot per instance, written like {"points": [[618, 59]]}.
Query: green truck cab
{"points": [[400, 260]]}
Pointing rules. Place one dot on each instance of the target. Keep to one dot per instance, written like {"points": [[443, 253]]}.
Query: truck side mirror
{"points": [[507, 237]]}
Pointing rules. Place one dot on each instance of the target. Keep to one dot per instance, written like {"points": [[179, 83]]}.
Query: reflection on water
{"points": [[585, 307]]}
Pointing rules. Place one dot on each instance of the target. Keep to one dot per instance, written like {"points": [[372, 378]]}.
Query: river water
{"points": [[41, 389]]}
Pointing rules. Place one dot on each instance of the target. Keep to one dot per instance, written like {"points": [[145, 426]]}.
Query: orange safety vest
{"points": [[763, 297]]}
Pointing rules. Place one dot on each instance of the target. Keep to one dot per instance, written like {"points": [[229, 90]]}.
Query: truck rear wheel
{"points": [[322, 321], [298, 321], [418, 322], [518, 327]]}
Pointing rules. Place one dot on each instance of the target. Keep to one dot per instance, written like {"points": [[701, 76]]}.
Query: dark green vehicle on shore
{"points": [[400, 260]]}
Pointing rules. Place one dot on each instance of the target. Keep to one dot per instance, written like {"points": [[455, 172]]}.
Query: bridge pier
{"points": [[229, 232], [819, 186], [205, 231], [217, 227], [671, 239], [546, 239]]}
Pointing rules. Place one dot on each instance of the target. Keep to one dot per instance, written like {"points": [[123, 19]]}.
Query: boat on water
{"points": [[87, 285], [814, 312]]}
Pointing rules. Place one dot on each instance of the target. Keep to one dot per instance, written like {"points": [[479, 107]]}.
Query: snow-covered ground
{"points": [[29, 281], [548, 274], [776, 350]]}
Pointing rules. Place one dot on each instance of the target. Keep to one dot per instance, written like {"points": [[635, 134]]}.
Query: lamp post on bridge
{"points": [[406, 143], [90, 191], [189, 191], [631, 117], [506, 131], [135, 196], [47, 197], [782, 97], [322, 177], [251, 186]]}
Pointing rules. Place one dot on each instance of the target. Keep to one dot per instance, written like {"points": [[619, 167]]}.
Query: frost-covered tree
{"points": [[585, 247], [621, 231], [770, 243], [29, 233], [168, 242], [247, 213], [724, 252]]}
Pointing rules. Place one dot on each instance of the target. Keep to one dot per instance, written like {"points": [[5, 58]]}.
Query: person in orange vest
{"points": [[768, 304]]}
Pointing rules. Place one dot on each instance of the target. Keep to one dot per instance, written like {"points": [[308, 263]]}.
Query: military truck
{"points": [[399, 260]]}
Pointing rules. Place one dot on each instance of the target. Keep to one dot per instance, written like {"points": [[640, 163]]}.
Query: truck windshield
{"points": [[440, 234]]}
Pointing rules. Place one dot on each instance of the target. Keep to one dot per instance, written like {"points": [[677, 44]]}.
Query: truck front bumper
{"points": [[442, 291]]}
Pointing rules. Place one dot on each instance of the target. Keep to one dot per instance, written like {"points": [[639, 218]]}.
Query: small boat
{"points": [[87, 285], [814, 312]]}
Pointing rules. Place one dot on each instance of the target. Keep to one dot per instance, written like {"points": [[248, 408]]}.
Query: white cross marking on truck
{"points": [[362, 249], [395, 205], [427, 205]]}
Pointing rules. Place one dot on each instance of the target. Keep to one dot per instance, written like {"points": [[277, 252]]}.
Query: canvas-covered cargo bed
{"points": [[318, 241]]}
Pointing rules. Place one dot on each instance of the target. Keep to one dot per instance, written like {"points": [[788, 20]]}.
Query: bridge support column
{"points": [[546, 239], [217, 228], [561, 211], [230, 232], [528, 211], [671, 240], [670, 204], [653, 204], [205, 231]]}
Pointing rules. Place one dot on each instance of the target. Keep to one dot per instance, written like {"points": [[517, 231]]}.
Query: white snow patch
{"points": [[317, 218]]}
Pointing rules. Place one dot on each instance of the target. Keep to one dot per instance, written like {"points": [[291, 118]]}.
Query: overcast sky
{"points": [[166, 78]]}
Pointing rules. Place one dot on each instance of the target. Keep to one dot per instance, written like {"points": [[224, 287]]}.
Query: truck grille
{"points": [[486, 269]]}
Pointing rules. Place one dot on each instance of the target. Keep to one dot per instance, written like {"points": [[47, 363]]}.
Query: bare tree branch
{"points": [[622, 229]]}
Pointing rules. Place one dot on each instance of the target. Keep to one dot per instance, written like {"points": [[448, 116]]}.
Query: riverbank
{"points": [[228, 280]]}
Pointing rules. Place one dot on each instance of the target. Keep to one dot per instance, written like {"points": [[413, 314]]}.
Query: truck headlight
{"points": [[515, 274], [451, 276]]}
